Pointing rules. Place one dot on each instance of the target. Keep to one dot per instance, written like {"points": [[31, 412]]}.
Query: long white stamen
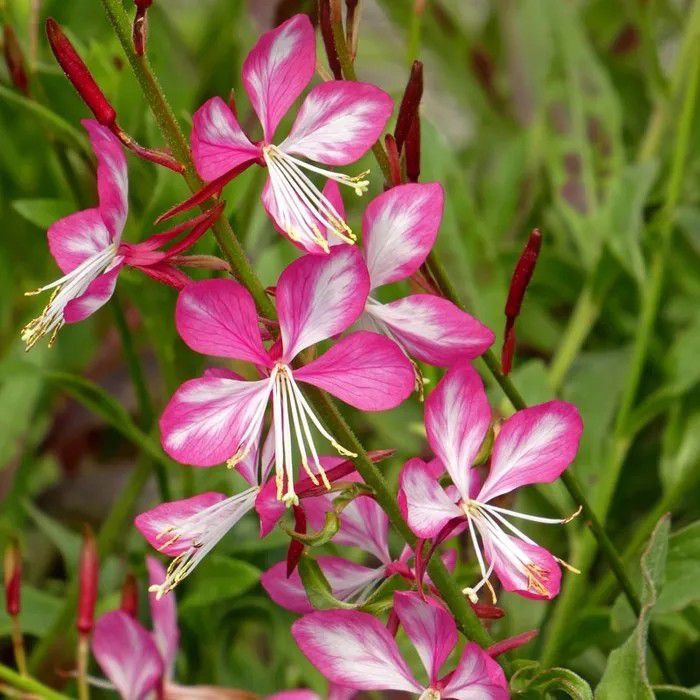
{"points": [[290, 496], [356, 182], [470, 592], [297, 431], [66, 288], [279, 443], [533, 518]]}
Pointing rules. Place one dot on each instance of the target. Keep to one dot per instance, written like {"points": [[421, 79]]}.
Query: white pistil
{"points": [[300, 199], [67, 288], [203, 530]]}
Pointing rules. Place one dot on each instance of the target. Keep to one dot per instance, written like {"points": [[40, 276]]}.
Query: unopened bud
{"points": [[130, 596], [511, 643], [522, 275], [78, 73], [324, 21], [14, 58], [412, 150], [392, 153], [409, 104], [88, 573], [140, 26], [13, 578]]}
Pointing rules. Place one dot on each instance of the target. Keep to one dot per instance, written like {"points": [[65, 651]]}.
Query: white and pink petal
{"points": [[477, 677], [166, 634]]}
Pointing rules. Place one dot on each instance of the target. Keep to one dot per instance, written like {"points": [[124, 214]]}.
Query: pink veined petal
{"points": [[154, 524], [269, 508], [399, 228], [77, 237], [541, 581], [337, 692], [433, 329], [127, 654], [364, 524], [534, 446], [477, 677], [294, 695], [319, 297], [365, 370], [338, 122], [112, 177], [426, 506], [457, 416], [218, 317], [256, 465], [353, 649], [346, 578], [166, 634], [331, 191], [98, 293], [218, 142], [430, 628], [278, 68]]}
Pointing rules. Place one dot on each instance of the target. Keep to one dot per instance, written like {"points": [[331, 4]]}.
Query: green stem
{"points": [[32, 686], [236, 257]]}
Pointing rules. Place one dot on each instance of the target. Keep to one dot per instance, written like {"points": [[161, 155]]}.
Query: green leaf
{"points": [[529, 680], [43, 212], [682, 571], [682, 361], [625, 675], [218, 579], [317, 587], [673, 692], [39, 610]]}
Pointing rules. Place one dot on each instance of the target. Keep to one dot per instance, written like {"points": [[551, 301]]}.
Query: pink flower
{"points": [[336, 124], [533, 446], [355, 650], [219, 418], [87, 246], [399, 229]]}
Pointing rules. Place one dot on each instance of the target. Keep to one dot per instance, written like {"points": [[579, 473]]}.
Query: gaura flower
{"points": [[336, 124], [215, 419], [533, 446], [355, 650], [399, 228], [87, 246]]}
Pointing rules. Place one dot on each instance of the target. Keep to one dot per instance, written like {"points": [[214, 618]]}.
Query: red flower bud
{"points": [[13, 578], [518, 286], [511, 643], [409, 104], [78, 73], [324, 20], [130, 596], [88, 573], [412, 150], [14, 58], [392, 153]]}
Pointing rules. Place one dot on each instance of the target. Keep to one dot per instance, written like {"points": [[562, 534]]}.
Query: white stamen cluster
{"points": [[67, 288], [203, 530], [304, 210]]}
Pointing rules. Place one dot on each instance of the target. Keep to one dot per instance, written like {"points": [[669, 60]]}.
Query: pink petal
{"points": [[399, 229], [294, 695], [339, 122], [364, 524], [207, 419], [112, 177], [541, 582], [346, 578], [457, 416], [364, 369], [154, 523], [278, 68], [218, 317], [268, 508], [430, 627], [127, 655], [218, 142], [477, 677], [433, 329], [319, 297], [427, 508], [166, 634], [534, 446], [98, 293], [77, 237], [353, 649]]}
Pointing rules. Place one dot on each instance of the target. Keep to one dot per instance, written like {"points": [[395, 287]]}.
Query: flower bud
{"points": [[13, 578], [412, 150], [78, 73], [409, 104], [14, 58], [324, 20], [88, 573], [130, 596], [522, 275], [392, 153]]}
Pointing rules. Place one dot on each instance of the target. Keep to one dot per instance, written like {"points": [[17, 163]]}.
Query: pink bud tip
{"points": [[89, 572], [14, 58], [78, 73], [130, 596], [13, 578]]}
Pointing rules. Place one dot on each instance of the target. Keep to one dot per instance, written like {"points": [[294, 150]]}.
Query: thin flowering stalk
{"points": [[519, 283], [234, 253], [13, 596]]}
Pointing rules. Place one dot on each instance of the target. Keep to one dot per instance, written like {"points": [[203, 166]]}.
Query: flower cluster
{"points": [[332, 333]]}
